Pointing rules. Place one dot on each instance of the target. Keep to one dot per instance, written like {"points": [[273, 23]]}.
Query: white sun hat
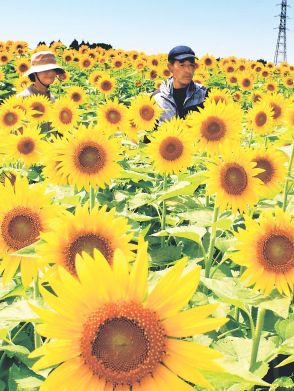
{"points": [[43, 61]]}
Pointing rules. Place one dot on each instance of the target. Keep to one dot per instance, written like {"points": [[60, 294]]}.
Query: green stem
{"points": [[286, 182], [209, 257], [91, 197], [257, 336], [37, 337], [163, 215]]}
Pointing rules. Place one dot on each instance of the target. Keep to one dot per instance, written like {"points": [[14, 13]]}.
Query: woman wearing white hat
{"points": [[42, 73]]}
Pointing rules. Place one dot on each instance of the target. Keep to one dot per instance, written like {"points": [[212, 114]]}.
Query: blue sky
{"points": [[244, 28]]}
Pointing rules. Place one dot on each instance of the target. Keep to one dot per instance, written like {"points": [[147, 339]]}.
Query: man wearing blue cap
{"points": [[179, 94]]}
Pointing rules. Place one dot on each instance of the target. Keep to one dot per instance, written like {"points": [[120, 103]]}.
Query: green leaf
{"points": [[285, 328], [23, 379], [19, 311], [230, 290], [282, 384], [18, 351], [139, 200], [181, 188], [136, 216], [191, 232], [165, 255], [29, 251], [279, 306], [137, 176], [203, 217], [225, 244]]}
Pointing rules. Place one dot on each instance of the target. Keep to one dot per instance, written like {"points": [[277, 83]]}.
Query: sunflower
{"points": [[171, 147], [266, 248], [271, 86], [52, 156], [39, 106], [107, 332], [217, 94], [10, 118], [144, 112], [288, 81], [95, 76], [246, 80], [216, 124], [273, 162], [106, 84], [2, 75], [22, 83], [112, 117], [64, 115], [208, 61], [234, 180], [73, 234], [278, 104], [25, 211], [289, 115], [260, 118], [85, 62], [5, 57], [26, 147], [76, 94], [22, 65], [87, 158]]}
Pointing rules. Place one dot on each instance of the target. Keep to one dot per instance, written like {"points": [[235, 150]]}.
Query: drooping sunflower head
{"points": [[266, 248], [260, 118], [95, 76], [88, 157], [124, 337], [216, 124], [171, 148], [278, 105], [144, 112], [233, 179], [220, 95], [39, 108]]}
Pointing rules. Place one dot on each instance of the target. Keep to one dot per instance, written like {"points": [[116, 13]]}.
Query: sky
{"points": [[243, 28]]}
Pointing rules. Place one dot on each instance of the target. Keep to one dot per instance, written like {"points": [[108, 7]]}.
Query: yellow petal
{"points": [[139, 274]]}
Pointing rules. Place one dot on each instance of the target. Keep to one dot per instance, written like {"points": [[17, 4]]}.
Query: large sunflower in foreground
{"points": [[171, 147], [216, 124], [266, 248], [10, 118], [64, 115], [72, 234], [108, 332], [25, 211], [144, 112], [26, 147], [233, 179], [273, 163], [87, 158]]}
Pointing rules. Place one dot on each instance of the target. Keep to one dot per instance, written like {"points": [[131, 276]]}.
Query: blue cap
{"points": [[180, 53]]}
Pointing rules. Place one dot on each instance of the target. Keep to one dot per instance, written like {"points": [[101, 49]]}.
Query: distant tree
{"points": [[262, 61], [74, 45]]}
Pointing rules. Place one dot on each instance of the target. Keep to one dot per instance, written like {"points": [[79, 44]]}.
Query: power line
{"points": [[281, 46]]}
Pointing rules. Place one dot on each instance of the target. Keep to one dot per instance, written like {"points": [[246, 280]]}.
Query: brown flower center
{"points": [[171, 148], [90, 158], [76, 97], [276, 109], [260, 119], [147, 112], [23, 68], [10, 118], [278, 251], [234, 178], [113, 116], [106, 85], [39, 109], [26, 146], [246, 82], [213, 129], [65, 116], [87, 242], [123, 343], [20, 227], [267, 174]]}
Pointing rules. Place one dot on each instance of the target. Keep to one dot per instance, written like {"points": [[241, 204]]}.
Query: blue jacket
{"points": [[196, 94]]}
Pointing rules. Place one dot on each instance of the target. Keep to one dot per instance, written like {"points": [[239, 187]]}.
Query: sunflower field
{"points": [[140, 255]]}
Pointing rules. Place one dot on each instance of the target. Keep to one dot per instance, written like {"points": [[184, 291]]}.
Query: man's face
{"points": [[183, 72], [47, 77]]}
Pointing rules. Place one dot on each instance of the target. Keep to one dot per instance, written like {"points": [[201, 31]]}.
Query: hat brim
{"points": [[183, 56], [42, 68]]}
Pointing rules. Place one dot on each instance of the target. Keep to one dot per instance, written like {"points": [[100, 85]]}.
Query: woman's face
{"points": [[47, 77]]}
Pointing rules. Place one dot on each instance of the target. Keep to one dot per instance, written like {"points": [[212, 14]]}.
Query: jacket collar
{"points": [[167, 88]]}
